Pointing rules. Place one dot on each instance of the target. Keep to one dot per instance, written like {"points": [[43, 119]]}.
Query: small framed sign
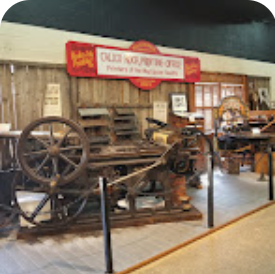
{"points": [[52, 101], [160, 111], [264, 99], [179, 103], [272, 104]]}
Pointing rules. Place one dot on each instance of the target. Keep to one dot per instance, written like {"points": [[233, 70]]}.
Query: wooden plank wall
{"points": [[222, 77], [30, 84], [121, 93], [6, 100], [22, 91]]}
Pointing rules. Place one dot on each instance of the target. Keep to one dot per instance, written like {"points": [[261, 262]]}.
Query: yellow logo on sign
{"points": [[191, 68], [81, 59]]}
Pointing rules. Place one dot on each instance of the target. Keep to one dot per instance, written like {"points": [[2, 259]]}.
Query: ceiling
{"points": [[219, 11], [227, 27], [53, 12]]}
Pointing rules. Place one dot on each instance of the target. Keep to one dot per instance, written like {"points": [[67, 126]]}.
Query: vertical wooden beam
{"points": [[245, 88], [74, 97], [191, 97]]}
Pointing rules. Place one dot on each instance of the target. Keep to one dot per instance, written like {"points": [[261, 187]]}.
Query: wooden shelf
{"points": [[125, 124], [97, 124], [88, 123]]}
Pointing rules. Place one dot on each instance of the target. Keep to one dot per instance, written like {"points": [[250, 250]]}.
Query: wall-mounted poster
{"points": [[160, 111], [272, 105], [52, 101], [258, 92], [264, 100], [179, 103]]}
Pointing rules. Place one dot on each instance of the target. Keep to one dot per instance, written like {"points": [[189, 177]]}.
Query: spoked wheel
{"points": [[53, 153], [57, 155], [49, 209]]}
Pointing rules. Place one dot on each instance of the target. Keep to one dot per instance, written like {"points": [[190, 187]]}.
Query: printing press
{"points": [[237, 139], [57, 182]]}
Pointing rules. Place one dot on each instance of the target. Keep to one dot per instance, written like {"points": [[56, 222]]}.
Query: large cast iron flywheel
{"points": [[55, 156], [53, 153]]}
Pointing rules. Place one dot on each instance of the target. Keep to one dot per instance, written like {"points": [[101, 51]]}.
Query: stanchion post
{"points": [[106, 225], [210, 192], [270, 174]]}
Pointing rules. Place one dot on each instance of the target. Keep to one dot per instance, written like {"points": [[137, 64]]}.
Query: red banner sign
{"points": [[81, 59], [142, 63]]}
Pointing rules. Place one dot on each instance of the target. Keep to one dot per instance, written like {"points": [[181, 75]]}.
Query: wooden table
{"points": [[249, 136], [258, 143]]}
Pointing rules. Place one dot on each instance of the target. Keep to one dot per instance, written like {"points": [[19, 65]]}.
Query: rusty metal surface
{"points": [[124, 126], [89, 123], [124, 118], [127, 132], [124, 111], [127, 151], [99, 140], [115, 162]]}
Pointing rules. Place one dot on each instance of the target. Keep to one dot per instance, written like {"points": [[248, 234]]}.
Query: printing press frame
{"points": [[149, 170]]}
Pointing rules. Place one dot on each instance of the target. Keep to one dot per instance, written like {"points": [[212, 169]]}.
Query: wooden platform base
{"points": [[118, 220]]}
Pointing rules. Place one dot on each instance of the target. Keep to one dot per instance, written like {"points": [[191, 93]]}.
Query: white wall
{"points": [[35, 44]]}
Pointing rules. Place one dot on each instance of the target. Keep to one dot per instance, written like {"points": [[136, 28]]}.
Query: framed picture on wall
{"points": [[264, 99], [179, 103], [272, 104], [160, 111], [52, 101]]}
